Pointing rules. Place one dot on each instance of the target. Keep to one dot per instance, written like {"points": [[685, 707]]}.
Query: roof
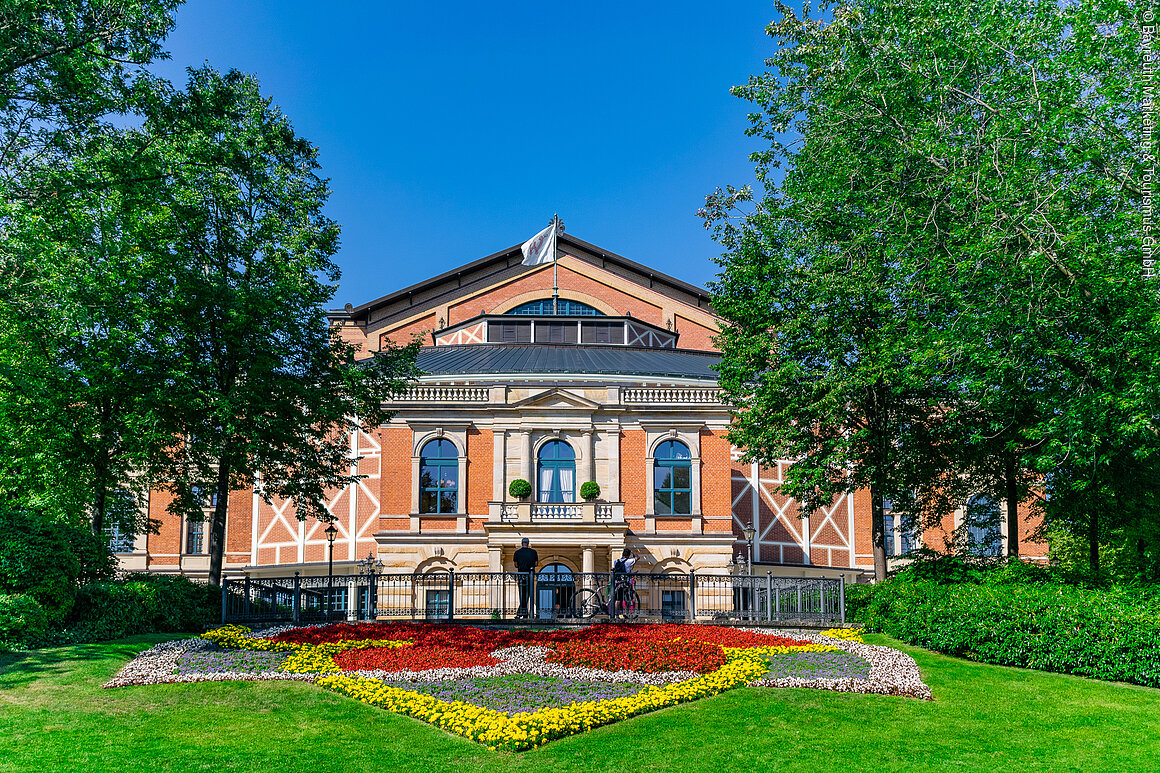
{"points": [[539, 359], [505, 257]]}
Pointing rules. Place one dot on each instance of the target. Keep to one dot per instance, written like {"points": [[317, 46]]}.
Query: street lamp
{"points": [[750, 533], [371, 567], [331, 533]]}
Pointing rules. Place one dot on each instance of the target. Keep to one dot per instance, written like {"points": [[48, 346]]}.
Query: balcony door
{"points": [[556, 472]]}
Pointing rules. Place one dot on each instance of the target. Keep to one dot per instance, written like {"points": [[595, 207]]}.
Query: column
{"points": [[589, 471], [588, 566], [526, 459]]}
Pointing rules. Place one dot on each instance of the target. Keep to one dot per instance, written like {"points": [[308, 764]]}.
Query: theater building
{"points": [[612, 381]]}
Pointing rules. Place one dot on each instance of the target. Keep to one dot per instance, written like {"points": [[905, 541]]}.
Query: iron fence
{"points": [[543, 596]]}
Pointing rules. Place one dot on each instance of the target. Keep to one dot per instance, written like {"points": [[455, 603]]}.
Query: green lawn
{"points": [[55, 717]]}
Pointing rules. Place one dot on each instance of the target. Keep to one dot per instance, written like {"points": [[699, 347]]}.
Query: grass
{"points": [[55, 717]]}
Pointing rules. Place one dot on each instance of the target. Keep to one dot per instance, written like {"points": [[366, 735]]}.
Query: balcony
{"points": [[556, 512]]}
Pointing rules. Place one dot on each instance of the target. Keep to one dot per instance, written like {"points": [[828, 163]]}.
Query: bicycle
{"points": [[625, 603]]}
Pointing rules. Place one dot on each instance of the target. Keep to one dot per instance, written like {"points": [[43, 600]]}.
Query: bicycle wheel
{"points": [[588, 603], [631, 604]]}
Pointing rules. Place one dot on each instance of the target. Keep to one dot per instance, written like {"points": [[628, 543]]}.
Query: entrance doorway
{"points": [[555, 588]]}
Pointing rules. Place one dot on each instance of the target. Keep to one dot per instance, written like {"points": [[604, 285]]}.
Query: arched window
{"points": [[983, 537], [555, 587], [556, 472], [438, 477], [543, 308], [673, 479]]}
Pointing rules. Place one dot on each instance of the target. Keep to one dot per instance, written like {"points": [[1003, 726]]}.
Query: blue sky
{"points": [[453, 130]]}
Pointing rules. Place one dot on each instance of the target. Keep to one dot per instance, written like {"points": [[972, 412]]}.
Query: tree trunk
{"points": [[100, 496], [876, 416], [217, 532], [1012, 505], [878, 533]]}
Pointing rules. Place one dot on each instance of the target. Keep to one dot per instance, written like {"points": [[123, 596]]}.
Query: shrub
{"points": [[22, 619], [520, 488], [1103, 634], [589, 490], [141, 603], [110, 610]]}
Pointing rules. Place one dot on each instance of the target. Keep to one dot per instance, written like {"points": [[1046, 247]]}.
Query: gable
{"points": [[495, 285]]}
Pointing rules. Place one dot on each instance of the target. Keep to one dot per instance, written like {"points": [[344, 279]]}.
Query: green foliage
{"points": [[76, 327], [267, 389], [46, 559], [519, 488], [141, 603], [22, 619], [589, 490], [940, 290], [1102, 634]]}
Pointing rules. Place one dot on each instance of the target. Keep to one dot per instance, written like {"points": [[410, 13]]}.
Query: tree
{"points": [[268, 392], [78, 323], [965, 177]]}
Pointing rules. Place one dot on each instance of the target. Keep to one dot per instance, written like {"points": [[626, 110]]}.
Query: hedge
{"points": [[22, 620], [141, 603], [1102, 634]]}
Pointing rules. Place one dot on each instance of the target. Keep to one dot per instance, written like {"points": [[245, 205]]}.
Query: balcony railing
{"points": [[554, 512]]}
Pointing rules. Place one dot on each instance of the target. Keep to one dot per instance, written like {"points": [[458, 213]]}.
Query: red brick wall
{"points": [[716, 482], [239, 522], [403, 335], [632, 454], [395, 483], [355, 335], [479, 471], [167, 540]]}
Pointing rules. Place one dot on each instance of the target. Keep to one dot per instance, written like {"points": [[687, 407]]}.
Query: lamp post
{"points": [[371, 567], [750, 533], [331, 533]]}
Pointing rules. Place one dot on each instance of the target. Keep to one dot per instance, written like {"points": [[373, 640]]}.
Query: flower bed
{"points": [[516, 689]]}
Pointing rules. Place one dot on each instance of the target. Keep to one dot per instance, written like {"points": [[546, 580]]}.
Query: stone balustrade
{"points": [[658, 396], [556, 512]]}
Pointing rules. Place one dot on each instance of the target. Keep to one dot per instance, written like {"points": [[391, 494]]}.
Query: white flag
{"points": [[541, 248]]}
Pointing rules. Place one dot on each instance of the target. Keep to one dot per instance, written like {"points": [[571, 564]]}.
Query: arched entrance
{"points": [[555, 587]]}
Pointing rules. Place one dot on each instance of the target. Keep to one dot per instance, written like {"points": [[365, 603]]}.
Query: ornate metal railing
{"points": [[544, 596]]}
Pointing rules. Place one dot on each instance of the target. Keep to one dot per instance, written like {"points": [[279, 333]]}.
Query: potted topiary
{"points": [[589, 490], [520, 489]]}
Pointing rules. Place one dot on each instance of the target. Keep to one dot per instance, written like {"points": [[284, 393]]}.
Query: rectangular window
{"points": [[555, 332], [509, 332], [195, 537], [888, 524], [120, 539], [673, 605], [205, 497], [437, 604], [602, 333]]}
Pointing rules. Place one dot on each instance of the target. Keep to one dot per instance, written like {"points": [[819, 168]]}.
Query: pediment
{"points": [[557, 398]]}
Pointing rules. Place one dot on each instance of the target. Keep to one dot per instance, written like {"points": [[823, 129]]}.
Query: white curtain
{"points": [[545, 483], [567, 487]]}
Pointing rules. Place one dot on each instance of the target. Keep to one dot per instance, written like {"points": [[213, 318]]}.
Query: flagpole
{"points": [[557, 226]]}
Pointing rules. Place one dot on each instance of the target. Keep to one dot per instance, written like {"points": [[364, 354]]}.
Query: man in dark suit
{"points": [[526, 560]]}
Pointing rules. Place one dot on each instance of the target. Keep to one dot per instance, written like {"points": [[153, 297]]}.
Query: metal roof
{"points": [[540, 359]]}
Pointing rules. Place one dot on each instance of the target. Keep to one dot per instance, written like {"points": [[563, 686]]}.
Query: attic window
{"points": [[543, 308]]}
